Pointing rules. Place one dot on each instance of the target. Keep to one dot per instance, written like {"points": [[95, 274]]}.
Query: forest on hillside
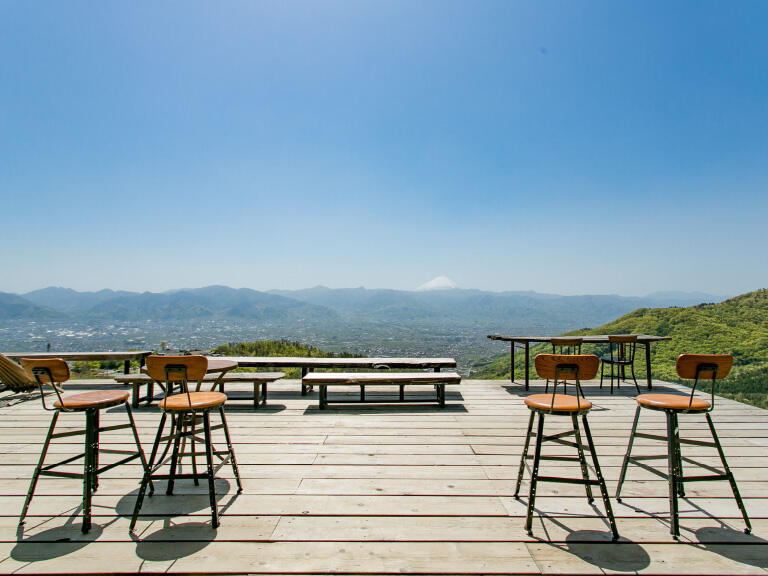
{"points": [[737, 326]]}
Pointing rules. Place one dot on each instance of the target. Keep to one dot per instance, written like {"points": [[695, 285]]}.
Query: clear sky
{"points": [[570, 147]]}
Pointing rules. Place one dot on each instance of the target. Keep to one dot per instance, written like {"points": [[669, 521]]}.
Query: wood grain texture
{"points": [[547, 366], [687, 364], [56, 367], [195, 367], [388, 490]]}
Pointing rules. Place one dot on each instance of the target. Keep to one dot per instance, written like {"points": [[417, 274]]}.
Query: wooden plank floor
{"points": [[388, 489]]}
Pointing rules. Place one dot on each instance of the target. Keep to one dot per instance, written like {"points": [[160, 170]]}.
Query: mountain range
{"points": [[462, 308]]}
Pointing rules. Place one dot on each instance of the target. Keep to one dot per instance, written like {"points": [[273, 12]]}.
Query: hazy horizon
{"points": [[416, 289], [571, 148]]}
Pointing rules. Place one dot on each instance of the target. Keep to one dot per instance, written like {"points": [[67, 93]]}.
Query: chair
{"points": [[690, 367], [561, 367], [185, 408], [621, 354], [54, 372], [14, 377], [565, 345]]}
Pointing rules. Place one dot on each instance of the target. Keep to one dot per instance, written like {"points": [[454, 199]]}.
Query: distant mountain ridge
{"points": [[68, 301], [455, 307], [13, 307], [471, 307]]}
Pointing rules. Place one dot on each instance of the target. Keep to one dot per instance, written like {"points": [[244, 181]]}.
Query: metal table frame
{"points": [[526, 341]]}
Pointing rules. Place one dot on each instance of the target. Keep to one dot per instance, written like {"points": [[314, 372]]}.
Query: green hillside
{"points": [[737, 326]]}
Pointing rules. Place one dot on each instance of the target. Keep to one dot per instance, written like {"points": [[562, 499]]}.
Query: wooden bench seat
{"points": [[310, 364], [259, 380], [402, 379]]}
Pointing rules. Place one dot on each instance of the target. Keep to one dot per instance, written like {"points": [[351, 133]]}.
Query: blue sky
{"points": [[507, 145]]}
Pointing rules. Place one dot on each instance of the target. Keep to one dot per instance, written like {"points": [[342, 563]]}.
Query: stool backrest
{"points": [[47, 371], [180, 370], [624, 345], [693, 366], [704, 366], [566, 366], [176, 368], [564, 345]]}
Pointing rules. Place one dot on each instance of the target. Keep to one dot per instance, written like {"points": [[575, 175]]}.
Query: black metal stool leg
{"points": [[602, 368], [534, 475], [209, 462], [632, 368], [600, 479], [521, 469], [728, 473], [36, 475], [139, 450], [624, 464], [679, 457], [192, 445], [582, 459], [674, 527], [148, 473], [611, 378], [178, 432], [96, 435], [88, 466], [231, 450]]}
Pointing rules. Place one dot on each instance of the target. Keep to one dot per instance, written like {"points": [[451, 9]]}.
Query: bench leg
{"points": [[441, 395], [256, 395], [323, 394], [264, 393], [362, 393], [135, 399], [305, 389], [402, 392]]}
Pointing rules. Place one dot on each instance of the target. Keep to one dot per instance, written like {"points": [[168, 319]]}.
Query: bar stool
{"points": [[565, 345], [621, 354], [54, 372], [185, 408], [561, 367], [691, 367]]}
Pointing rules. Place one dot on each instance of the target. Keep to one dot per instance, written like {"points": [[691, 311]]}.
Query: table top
{"points": [[589, 339], [290, 361], [72, 356], [220, 364]]}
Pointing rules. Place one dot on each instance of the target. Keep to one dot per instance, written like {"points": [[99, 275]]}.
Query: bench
{"points": [[308, 365], [402, 379], [259, 379]]}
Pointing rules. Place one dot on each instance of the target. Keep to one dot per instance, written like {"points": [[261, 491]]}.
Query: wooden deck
{"points": [[387, 489]]}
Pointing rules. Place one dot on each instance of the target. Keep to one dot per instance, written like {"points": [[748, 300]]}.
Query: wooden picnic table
{"points": [[125, 357], [526, 341], [311, 364]]}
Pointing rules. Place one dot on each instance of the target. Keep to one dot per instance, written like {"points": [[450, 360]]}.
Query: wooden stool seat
{"points": [[564, 403], [96, 400], [193, 401], [674, 402]]}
